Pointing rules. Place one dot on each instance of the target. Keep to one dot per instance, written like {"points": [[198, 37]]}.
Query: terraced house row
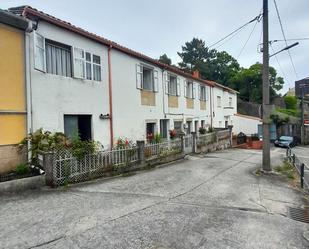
{"points": [[60, 77]]}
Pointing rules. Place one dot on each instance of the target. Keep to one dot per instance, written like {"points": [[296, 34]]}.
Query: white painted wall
{"points": [[225, 112], [246, 124], [130, 116], [54, 95]]}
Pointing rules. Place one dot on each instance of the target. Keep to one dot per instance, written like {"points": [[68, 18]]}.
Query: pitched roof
{"points": [[15, 21], [29, 12]]}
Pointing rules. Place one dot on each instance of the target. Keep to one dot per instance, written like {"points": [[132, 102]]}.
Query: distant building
{"points": [[290, 92], [302, 86]]}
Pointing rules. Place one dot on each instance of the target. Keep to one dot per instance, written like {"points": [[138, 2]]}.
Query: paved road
{"points": [[212, 202]]}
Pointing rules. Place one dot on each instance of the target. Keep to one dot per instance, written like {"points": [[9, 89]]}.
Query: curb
{"points": [[23, 184]]}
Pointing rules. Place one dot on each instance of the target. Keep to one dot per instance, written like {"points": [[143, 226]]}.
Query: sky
{"points": [[163, 26]]}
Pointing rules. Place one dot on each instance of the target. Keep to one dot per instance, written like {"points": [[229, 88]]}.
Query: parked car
{"points": [[286, 141]]}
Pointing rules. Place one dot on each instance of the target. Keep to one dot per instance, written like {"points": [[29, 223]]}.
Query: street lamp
{"points": [[286, 48]]}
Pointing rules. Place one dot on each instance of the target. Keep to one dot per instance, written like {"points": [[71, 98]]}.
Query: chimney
{"points": [[196, 74]]}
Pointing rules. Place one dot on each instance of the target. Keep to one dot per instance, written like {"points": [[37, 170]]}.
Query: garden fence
{"points": [[62, 166]]}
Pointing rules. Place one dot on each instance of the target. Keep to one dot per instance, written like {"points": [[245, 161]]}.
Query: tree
{"points": [[195, 56], [165, 59], [212, 65], [248, 81], [290, 102]]}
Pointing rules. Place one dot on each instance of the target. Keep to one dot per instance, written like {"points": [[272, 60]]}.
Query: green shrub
{"points": [[157, 138], [289, 112], [42, 141], [202, 130], [22, 169], [290, 102]]}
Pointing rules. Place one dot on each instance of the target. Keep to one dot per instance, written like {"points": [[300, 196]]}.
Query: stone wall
{"points": [[10, 157]]}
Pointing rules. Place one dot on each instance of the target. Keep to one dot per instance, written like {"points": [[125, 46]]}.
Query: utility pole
{"points": [[302, 128], [266, 110]]}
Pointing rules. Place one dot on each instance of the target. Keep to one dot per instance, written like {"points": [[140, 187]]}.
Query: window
{"points": [[146, 78], [39, 52], [189, 90], [202, 93], [88, 66], [93, 67], [173, 85], [178, 126], [79, 63], [77, 125], [58, 58], [219, 101], [203, 123], [96, 60], [150, 131], [230, 101]]}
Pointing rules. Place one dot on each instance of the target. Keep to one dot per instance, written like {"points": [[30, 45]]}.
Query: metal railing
{"points": [[302, 169], [69, 168]]}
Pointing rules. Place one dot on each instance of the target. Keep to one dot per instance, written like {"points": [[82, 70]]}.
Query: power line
{"points": [[230, 38], [245, 44], [235, 31], [295, 39], [284, 37]]}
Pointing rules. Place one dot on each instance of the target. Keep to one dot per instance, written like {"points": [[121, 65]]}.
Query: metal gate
{"points": [[188, 144]]}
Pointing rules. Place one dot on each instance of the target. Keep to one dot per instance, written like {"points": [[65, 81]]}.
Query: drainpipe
{"points": [[163, 91], [211, 107], [110, 93], [28, 86]]}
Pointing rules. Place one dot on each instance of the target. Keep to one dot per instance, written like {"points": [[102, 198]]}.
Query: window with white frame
{"points": [[87, 65], [203, 93], [219, 101], [96, 65], [58, 58], [189, 90], [79, 63], [146, 78], [173, 85], [39, 52], [230, 101]]}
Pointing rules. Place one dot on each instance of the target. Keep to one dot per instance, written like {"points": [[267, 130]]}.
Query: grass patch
{"points": [[287, 170]]}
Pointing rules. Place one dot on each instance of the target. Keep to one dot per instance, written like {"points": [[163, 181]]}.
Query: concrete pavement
{"points": [[203, 202]]}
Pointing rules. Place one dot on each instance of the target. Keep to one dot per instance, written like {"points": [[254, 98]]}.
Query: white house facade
{"points": [[82, 83]]}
